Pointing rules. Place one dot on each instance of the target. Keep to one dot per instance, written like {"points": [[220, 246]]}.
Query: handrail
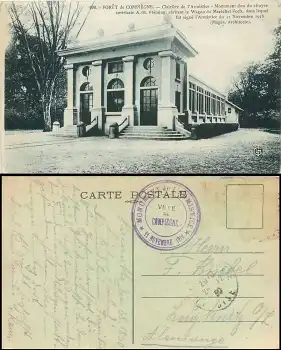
{"points": [[181, 123], [94, 122], [119, 125], [96, 118], [179, 126]]}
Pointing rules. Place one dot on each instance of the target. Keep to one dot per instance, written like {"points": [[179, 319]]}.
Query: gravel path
{"points": [[37, 152]]}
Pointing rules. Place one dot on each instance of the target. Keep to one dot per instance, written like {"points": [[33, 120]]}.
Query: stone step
{"points": [[146, 127], [145, 131], [151, 133], [149, 137]]}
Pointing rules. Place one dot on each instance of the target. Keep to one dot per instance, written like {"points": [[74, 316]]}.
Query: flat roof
{"points": [[202, 82], [136, 36], [129, 38]]}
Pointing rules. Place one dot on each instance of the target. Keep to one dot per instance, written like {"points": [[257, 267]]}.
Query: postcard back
{"points": [[150, 262]]}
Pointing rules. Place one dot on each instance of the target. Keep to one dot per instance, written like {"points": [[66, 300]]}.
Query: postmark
{"points": [[219, 290], [166, 215]]}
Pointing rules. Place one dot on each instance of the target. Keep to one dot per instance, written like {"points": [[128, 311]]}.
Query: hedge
{"points": [[29, 120], [204, 131], [15, 119]]}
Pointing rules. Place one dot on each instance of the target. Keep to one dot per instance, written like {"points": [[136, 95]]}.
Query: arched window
{"points": [[115, 95], [86, 87], [115, 84], [148, 82]]}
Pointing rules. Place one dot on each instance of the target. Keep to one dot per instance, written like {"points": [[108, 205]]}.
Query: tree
{"points": [[249, 92], [257, 89], [22, 100], [51, 26], [22, 107], [272, 71]]}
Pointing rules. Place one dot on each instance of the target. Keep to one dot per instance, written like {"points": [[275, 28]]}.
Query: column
{"points": [[70, 112], [97, 82], [129, 108], [167, 110]]}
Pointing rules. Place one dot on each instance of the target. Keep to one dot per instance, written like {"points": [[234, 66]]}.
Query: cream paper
{"points": [[150, 262]]}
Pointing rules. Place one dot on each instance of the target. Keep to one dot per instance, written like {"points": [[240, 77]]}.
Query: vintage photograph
{"points": [[142, 87], [190, 263]]}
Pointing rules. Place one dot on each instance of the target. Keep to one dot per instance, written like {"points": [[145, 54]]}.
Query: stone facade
{"points": [[140, 76]]}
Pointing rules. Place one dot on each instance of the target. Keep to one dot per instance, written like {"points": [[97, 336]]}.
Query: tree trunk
{"points": [[47, 117], [47, 103]]}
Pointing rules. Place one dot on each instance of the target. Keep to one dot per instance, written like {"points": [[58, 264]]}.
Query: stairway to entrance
{"points": [[151, 133], [71, 130]]}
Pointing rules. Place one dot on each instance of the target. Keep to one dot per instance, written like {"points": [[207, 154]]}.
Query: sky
{"points": [[223, 50]]}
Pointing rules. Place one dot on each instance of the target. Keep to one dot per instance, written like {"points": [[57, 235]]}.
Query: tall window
{"points": [[178, 70], [86, 102], [148, 101], [192, 97], [218, 105], [115, 95], [213, 104], [178, 100], [207, 102], [115, 67], [200, 97], [222, 107]]}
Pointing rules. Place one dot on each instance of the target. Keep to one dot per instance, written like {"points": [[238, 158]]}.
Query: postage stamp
{"points": [[165, 215]]}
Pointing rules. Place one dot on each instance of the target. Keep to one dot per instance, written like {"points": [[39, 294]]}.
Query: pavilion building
{"points": [[139, 78]]}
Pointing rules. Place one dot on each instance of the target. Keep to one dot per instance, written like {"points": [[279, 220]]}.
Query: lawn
{"points": [[37, 152]]}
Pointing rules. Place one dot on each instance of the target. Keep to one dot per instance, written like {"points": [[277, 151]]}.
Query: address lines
{"points": [[207, 275], [203, 297], [204, 275]]}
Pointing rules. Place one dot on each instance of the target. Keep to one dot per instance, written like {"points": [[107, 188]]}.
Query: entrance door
{"points": [[148, 106], [86, 104]]}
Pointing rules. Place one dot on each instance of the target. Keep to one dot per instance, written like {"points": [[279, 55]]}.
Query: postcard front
{"points": [[141, 87], [102, 262]]}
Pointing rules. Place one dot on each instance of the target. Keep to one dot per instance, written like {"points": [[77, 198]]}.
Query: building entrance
{"points": [[148, 101], [86, 103]]}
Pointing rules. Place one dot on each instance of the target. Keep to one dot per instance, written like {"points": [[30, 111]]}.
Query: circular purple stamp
{"points": [[165, 215]]}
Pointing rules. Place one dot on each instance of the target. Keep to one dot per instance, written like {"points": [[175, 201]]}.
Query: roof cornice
{"points": [[164, 32]]}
